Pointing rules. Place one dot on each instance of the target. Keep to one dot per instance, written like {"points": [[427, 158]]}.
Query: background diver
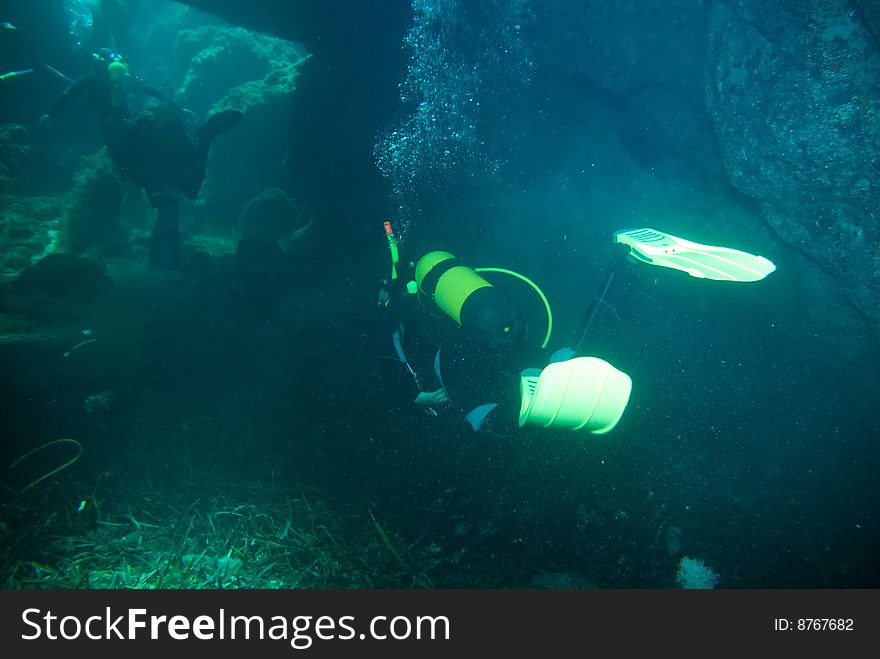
{"points": [[108, 88], [152, 146]]}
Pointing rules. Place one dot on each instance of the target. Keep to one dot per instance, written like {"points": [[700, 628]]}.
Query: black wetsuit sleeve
{"points": [[78, 88], [396, 380], [139, 86], [476, 375]]}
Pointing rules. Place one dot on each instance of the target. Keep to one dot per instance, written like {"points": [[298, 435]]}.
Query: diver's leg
{"points": [[192, 174], [114, 129], [217, 124], [165, 248]]}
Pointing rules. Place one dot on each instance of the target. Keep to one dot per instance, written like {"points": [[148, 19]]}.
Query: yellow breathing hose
{"points": [[537, 290]]}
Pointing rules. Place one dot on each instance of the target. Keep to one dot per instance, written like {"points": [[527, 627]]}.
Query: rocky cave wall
{"points": [[789, 89], [793, 89]]}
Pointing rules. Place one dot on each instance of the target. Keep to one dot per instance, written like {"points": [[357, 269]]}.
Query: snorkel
{"points": [[392, 247]]}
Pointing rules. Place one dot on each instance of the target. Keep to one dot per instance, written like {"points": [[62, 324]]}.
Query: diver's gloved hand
{"points": [[431, 398]]}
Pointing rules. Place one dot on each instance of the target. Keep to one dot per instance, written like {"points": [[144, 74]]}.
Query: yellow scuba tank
{"points": [[445, 279], [472, 302], [117, 71]]}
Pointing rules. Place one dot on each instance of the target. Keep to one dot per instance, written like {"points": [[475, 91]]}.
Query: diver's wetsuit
{"points": [[159, 153], [108, 100], [131, 143], [164, 158], [472, 371]]}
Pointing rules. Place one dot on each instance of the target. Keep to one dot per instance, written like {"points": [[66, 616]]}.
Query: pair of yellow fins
{"points": [[701, 261]]}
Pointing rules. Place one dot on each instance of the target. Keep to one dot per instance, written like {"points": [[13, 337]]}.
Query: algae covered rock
{"points": [[792, 92], [29, 229], [232, 68], [64, 275], [14, 147], [272, 216], [93, 213]]}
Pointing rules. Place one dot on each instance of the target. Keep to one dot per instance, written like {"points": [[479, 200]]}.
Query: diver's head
{"points": [[106, 55], [109, 60]]}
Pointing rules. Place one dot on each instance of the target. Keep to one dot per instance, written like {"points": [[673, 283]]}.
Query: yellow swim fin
{"points": [[701, 261]]}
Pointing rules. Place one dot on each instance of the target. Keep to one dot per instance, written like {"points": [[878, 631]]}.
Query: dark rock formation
{"points": [[14, 147], [793, 92], [256, 74], [270, 216], [790, 89], [93, 213], [64, 275], [344, 94], [29, 229]]}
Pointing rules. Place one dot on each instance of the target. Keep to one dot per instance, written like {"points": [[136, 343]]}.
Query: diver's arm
{"points": [[397, 378], [140, 86], [76, 89]]}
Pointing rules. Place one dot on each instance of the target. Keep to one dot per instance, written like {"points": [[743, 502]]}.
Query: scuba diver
{"points": [[479, 367], [167, 159], [153, 147], [106, 88]]}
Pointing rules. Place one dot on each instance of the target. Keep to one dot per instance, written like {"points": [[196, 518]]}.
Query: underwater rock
{"points": [[256, 74], [64, 275], [792, 92], [324, 26], [93, 214], [344, 96], [271, 216], [230, 67], [14, 147], [29, 229]]}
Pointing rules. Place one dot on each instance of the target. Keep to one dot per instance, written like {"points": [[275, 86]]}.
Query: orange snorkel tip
{"points": [[392, 246]]}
